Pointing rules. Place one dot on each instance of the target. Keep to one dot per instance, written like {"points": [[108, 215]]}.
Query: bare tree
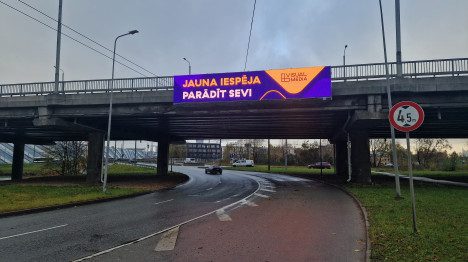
{"points": [[379, 148], [427, 148], [258, 150], [308, 153], [69, 157], [178, 151]]}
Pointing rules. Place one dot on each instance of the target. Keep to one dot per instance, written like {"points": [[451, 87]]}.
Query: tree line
{"points": [[255, 149], [70, 157], [427, 153]]}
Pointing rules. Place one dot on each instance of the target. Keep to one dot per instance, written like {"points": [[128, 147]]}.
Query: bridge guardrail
{"points": [[89, 86], [413, 69]]}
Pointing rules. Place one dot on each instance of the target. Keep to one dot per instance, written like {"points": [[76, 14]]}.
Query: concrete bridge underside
{"points": [[359, 108]]}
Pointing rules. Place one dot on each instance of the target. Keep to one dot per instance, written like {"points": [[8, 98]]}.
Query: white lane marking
{"points": [[260, 195], [268, 190], [168, 240], [222, 216], [249, 203], [219, 201], [35, 231], [163, 202]]}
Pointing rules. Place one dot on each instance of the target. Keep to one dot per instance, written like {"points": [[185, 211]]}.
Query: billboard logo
{"points": [[294, 80], [293, 77]]}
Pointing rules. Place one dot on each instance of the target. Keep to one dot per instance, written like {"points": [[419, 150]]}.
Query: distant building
{"points": [[464, 153], [204, 151], [383, 156]]}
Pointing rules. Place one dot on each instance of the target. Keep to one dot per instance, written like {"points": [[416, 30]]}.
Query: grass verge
{"points": [[42, 191], [28, 168], [20, 197], [441, 215], [40, 169], [119, 169]]}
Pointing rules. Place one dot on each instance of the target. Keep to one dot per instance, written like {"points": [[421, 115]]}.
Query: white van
{"points": [[190, 160], [243, 163]]}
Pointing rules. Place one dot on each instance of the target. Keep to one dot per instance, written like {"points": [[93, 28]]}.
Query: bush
{"points": [[451, 163]]}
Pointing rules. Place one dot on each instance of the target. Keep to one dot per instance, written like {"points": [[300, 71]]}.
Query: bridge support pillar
{"points": [[95, 154], [163, 157], [18, 161], [341, 158], [360, 157]]}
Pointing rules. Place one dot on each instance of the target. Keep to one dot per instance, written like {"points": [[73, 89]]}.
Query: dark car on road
{"points": [[320, 165], [214, 169]]}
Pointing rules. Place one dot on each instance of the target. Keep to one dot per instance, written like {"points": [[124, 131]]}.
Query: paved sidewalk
{"points": [[307, 221], [425, 179]]}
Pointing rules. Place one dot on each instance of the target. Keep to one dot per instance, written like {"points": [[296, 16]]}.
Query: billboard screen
{"points": [[257, 85]]}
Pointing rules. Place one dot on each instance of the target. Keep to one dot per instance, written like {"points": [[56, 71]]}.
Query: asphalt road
{"points": [[238, 216]]}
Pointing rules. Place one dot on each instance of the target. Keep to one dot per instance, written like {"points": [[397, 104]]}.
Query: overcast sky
{"points": [[213, 35]]}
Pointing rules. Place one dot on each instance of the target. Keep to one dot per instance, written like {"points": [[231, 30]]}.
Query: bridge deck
{"points": [[143, 108]]}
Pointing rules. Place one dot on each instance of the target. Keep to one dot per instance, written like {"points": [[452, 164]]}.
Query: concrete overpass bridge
{"points": [[143, 109]]}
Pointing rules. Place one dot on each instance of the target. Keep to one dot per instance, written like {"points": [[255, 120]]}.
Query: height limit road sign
{"points": [[406, 116]]}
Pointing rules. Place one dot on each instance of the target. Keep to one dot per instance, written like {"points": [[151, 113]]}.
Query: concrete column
{"points": [[341, 158], [163, 157], [360, 157], [95, 153], [18, 161]]}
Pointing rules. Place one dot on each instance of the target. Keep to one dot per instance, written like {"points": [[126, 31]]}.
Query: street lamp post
{"points": [[344, 62], [189, 66], [104, 184]]}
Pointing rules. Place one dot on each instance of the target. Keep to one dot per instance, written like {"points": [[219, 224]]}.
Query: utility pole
{"points": [[398, 39], [57, 56], [390, 105]]}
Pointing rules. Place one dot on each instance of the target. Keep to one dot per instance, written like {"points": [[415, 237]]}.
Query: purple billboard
{"points": [[257, 85]]}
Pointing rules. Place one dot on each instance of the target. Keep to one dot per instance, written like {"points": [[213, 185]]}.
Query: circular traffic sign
{"points": [[406, 116]]}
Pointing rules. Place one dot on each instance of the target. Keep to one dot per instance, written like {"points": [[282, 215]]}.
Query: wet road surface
{"points": [[238, 216], [286, 219]]}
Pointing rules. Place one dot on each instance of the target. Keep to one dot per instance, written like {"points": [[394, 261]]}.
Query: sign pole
{"points": [[410, 170]]}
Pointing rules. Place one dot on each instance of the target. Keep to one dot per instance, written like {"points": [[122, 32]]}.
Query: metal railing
{"points": [[89, 86], [413, 69]]}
